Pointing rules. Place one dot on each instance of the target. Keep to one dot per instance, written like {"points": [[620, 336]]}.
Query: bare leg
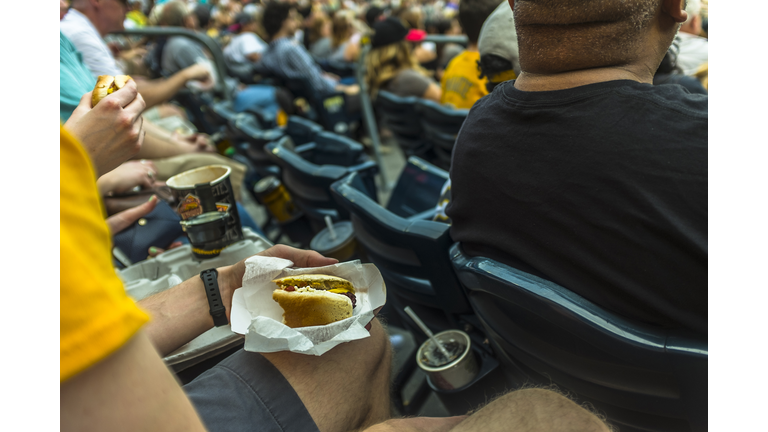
{"points": [[532, 410], [346, 388]]}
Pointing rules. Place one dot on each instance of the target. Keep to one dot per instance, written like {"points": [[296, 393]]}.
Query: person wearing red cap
{"points": [[391, 66]]}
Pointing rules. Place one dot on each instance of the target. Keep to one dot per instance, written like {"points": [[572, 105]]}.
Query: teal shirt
{"points": [[74, 78]]}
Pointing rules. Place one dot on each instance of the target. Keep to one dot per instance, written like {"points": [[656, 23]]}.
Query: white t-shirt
{"points": [[84, 36], [242, 45], [694, 52]]}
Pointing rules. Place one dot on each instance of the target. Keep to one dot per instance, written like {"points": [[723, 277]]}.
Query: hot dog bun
{"points": [[312, 300], [106, 84]]}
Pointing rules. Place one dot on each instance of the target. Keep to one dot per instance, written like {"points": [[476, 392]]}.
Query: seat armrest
{"points": [[304, 148], [364, 167], [425, 215]]}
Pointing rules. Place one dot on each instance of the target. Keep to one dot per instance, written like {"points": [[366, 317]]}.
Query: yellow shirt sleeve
{"points": [[96, 315]]}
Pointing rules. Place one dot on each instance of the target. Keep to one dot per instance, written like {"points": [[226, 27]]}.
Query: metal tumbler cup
{"points": [[449, 373]]}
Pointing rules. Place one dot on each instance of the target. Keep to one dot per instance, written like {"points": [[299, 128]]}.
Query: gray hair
{"points": [[173, 14]]}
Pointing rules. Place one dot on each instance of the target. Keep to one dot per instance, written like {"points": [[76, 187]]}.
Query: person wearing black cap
{"points": [[373, 15], [391, 66]]}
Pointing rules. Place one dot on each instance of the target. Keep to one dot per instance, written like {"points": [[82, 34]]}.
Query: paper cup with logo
{"points": [[208, 189]]}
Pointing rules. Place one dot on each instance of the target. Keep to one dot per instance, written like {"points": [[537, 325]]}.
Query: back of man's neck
{"points": [[560, 81]]}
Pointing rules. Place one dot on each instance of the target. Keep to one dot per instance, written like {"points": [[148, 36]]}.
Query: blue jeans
{"points": [[258, 96]]}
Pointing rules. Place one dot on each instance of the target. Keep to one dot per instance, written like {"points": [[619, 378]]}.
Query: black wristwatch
{"points": [[210, 279]]}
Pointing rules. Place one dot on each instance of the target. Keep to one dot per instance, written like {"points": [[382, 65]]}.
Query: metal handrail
{"points": [[201, 38], [367, 105], [457, 39]]}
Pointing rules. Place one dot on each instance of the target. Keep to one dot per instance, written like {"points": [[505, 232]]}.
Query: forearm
{"points": [[105, 184], [181, 313], [132, 389], [159, 143], [160, 90]]}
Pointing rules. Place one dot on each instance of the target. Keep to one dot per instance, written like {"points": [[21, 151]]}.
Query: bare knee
{"points": [[533, 410]]}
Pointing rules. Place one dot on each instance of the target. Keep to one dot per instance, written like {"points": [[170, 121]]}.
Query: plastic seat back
{"points": [[400, 116], [309, 183], [644, 378], [412, 256], [252, 138], [418, 189], [331, 109], [441, 125], [302, 130], [338, 150]]}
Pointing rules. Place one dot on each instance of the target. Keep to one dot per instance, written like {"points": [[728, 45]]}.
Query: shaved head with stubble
{"points": [[567, 36]]}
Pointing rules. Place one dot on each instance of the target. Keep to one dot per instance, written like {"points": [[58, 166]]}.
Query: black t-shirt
{"points": [[601, 189]]}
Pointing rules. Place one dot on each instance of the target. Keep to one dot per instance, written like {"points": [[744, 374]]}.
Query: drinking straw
{"points": [[427, 331], [329, 224]]}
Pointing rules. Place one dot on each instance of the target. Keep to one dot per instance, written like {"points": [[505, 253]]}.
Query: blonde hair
{"points": [[384, 63], [342, 29], [316, 30], [702, 74]]}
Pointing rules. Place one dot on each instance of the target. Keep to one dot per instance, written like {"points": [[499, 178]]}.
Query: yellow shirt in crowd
{"points": [[461, 84], [96, 315]]}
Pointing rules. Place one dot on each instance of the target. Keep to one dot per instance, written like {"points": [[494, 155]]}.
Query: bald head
{"points": [[557, 36]]}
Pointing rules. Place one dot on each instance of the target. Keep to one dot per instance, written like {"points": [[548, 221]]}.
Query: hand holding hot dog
{"points": [[110, 131]]}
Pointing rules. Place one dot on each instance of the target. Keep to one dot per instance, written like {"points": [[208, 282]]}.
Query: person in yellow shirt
{"points": [[135, 18], [461, 84], [499, 54], [111, 371]]}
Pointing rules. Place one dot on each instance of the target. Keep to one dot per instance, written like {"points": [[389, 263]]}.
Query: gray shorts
{"points": [[246, 392]]}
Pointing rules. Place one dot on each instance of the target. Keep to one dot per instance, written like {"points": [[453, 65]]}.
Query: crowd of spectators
{"points": [[585, 168]]}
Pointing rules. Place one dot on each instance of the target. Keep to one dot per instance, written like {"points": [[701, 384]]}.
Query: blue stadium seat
{"points": [[440, 125], [399, 116], [644, 378], [417, 190], [309, 182]]}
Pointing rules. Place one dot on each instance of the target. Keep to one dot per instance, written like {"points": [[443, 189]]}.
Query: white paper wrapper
{"points": [[257, 316]]}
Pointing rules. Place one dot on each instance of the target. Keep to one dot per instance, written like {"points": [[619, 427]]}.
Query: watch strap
{"points": [[217, 310]]}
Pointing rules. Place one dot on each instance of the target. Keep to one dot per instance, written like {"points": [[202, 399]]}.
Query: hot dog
{"points": [[106, 84], [312, 300]]}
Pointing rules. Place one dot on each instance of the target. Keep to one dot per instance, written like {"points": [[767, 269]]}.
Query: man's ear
{"points": [[674, 8]]}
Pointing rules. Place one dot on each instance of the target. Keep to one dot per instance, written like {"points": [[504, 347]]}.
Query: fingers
{"points": [[125, 95], [149, 164], [85, 101], [375, 314], [136, 106], [120, 221], [300, 257], [155, 251]]}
